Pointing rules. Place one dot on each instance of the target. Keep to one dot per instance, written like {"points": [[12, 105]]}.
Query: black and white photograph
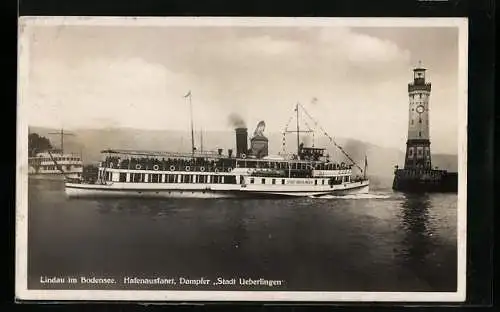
{"points": [[241, 159]]}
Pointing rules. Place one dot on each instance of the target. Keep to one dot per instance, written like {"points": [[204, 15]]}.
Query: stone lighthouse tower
{"points": [[418, 150], [417, 174]]}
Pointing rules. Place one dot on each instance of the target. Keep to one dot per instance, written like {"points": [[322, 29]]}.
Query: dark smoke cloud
{"points": [[236, 121]]}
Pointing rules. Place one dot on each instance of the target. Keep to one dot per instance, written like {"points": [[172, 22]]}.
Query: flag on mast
{"points": [[188, 94]]}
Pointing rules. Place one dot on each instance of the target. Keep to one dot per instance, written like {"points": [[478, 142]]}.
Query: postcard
{"points": [[201, 159]]}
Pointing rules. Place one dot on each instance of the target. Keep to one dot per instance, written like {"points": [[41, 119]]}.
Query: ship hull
{"points": [[53, 176], [341, 190], [146, 190]]}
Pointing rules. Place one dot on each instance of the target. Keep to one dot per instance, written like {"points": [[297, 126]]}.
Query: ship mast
{"points": [[188, 95], [62, 134], [298, 131], [331, 139], [201, 140]]}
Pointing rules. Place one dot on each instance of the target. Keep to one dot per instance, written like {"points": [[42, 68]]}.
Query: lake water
{"points": [[382, 241]]}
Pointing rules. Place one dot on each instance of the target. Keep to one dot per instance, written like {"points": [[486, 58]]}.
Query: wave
{"points": [[357, 196]]}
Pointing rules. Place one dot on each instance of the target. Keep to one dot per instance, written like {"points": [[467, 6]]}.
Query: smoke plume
{"points": [[236, 121]]}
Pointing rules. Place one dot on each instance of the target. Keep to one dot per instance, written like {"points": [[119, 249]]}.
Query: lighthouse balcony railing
{"points": [[419, 87]]}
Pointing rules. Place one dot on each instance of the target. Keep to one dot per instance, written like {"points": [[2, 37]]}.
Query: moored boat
{"points": [[47, 163], [55, 166]]}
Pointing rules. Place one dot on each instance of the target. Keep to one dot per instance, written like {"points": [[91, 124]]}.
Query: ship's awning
{"points": [[143, 153]]}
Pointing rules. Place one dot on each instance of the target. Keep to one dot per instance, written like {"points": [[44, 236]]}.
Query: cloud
{"points": [[362, 48], [266, 45], [136, 77], [127, 91]]}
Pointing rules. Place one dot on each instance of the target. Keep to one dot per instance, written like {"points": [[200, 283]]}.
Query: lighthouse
{"points": [[417, 174], [418, 145]]}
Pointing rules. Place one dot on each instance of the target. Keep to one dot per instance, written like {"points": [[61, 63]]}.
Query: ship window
{"points": [[323, 182], [155, 178], [123, 177], [420, 120], [274, 181], [263, 181], [252, 180], [315, 182], [282, 181], [230, 179], [420, 133]]}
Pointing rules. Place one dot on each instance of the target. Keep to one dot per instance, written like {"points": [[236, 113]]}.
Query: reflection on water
{"points": [[419, 243], [383, 242], [416, 242]]}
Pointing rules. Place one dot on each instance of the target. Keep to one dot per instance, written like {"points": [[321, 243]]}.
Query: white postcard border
{"points": [[22, 291]]}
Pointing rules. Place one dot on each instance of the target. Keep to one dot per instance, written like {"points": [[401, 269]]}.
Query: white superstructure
{"points": [[49, 165]]}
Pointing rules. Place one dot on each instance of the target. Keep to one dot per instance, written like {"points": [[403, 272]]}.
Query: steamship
{"points": [[250, 172], [55, 165]]}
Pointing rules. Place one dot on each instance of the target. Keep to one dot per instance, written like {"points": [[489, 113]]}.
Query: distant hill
{"points": [[90, 142]]}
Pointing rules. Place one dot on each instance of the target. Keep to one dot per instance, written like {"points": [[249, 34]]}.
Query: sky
{"points": [[352, 80]]}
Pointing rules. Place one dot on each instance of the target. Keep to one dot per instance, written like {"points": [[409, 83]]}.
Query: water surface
{"points": [[382, 241]]}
